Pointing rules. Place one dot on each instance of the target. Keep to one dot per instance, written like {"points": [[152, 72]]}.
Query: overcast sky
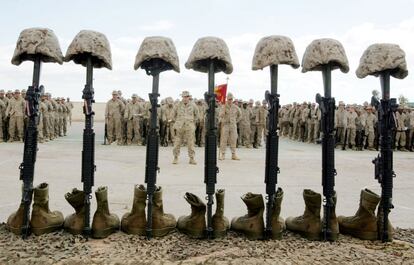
{"points": [[241, 23]]}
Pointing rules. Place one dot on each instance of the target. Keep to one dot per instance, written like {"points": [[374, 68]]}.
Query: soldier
{"points": [[253, 123], [2, 117], [133, 114], [168, 121], [65, 115], [351, 128], [410, 137], [202, 107], [312, 123], [284, 120], [261, 119], [370, 121], [40, 125], [113, 115], [341, 124], [303, 122], [400, 137], [229, 116], [45, 118], [16, 111], [123, 121], [69, 106], [246, 116], [296, 119], [185, 116]]}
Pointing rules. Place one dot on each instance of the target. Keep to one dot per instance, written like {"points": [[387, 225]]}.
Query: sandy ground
{"points": [[120, 167]]}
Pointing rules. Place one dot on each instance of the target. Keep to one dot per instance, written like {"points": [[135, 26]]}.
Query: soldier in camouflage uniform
{"points": [[246, 117], [229, 116], [16, 111], [185, 116], [133, 114], [113, 115]]}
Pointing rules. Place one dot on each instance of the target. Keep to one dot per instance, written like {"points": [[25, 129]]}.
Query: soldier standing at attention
{"points": [[229, 116], [370, 120], [15, 110], [113, 115], [133, 112], [185, 116]]}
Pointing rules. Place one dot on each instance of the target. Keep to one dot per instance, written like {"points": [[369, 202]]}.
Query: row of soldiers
{"points": [[356, 125], [54, 116]]}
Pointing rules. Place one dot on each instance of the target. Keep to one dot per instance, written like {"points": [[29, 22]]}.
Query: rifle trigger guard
{"points": [[158, 169], [217, 170], [278, 170], [334, 171]]}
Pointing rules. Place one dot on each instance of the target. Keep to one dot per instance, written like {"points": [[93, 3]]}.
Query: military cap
{"points": [[257, 103], [2, 91], [185, 94], [16, 91], [230, 96], [264, 101], [23, 91], [114, 92], [119, 92], [341, 103], [134, 96], [9, 92], [251, 101]]}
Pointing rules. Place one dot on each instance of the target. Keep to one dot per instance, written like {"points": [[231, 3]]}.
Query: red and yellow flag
{"points": [[221, 92]]}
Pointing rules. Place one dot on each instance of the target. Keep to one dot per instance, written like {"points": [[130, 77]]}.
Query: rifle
{"points": [[210, 151], [106, 132], [88, 152], [384, 172], [327, 105], [153, 67], [27, 167], [6, 129], [272, 148]]}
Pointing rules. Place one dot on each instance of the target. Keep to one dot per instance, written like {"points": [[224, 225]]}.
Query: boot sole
{"points": [[251, 235], [14, 230], [46, 230], [219, 234], [73, 231], [359, 234], [163, 231], [194, 233], [104, 233], [136, 231]]}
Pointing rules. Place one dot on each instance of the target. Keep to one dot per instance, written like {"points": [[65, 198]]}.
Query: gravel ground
{"points": [[120, 248]]}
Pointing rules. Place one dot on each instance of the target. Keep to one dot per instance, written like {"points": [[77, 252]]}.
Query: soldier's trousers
{"points": [[311, 131], [16, 124], [261, 131], [133, 131], [46, 133], [370, 137], [187, 133], [1, 129], [400, 139], [40, 135], [245, 136], [295, 130], [64, 125], [229, 135], [253, 132], [114, 129], [350, 136], [410, 138], [51, 126], [341, 131], [285, 128]]}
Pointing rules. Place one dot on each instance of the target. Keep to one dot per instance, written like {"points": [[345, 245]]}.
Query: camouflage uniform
{"points": [[185, 116], [133, 113], [246, 115], [113, 115], [400, 136], [229, 116], [16, 111]]}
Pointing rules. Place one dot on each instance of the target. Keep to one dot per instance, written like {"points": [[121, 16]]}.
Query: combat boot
{"points": [[192, 161], [74, 223], [220, 223], [43, 220], [278, 224], [104, 223], [15, 221], [251, 224], [234, 156], [162, 223], [390, 230], [194, 224], [309, 224], [221, 156], [175, 161], [135, 221]]}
